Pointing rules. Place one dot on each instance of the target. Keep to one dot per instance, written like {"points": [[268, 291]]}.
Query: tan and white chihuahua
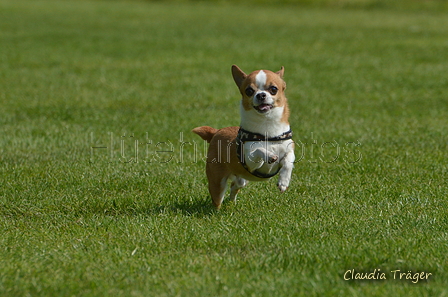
{"points": [[261, 147]]}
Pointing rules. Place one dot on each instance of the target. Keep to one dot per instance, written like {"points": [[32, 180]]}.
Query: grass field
{"points": [[102, 185]]}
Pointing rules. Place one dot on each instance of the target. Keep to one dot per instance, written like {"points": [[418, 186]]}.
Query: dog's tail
{"points": [[205, 132]]}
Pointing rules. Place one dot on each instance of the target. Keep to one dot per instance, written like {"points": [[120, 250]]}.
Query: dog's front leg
{"points": [[260, 156], [287, 163]]}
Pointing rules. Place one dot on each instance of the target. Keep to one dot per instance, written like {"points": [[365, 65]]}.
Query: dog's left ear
{"points": [[281, 72]]}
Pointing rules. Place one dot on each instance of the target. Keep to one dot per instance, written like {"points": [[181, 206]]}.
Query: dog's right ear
{"points": [[238, 75]]}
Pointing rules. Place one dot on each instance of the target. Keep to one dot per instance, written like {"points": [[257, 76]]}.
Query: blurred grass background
{"points": [[357, 4], [75, 74]]}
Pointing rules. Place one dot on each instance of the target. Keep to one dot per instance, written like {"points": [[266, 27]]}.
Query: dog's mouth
{"points": [[263, 108]]}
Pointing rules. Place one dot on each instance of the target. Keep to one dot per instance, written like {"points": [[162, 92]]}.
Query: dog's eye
{"points": [[273, 90], [249, 91]]}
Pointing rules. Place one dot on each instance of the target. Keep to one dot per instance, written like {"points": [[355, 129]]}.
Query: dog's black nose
{"points": [[261, 96]]}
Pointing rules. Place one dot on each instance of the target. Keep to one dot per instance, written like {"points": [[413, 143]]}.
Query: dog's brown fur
{"points": [[223, 162]]}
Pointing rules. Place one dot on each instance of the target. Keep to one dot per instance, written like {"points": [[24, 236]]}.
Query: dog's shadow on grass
{"points": [[196, 208], [201, 207]]}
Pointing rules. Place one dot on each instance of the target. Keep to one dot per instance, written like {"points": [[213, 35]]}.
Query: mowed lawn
{"points": [[102, 185]]}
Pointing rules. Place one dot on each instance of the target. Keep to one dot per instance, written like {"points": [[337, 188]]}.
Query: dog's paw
{"points": [[272, 159], [282, 187]]}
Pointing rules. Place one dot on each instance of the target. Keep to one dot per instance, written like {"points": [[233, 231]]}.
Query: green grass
{"points": [[80, 221]]}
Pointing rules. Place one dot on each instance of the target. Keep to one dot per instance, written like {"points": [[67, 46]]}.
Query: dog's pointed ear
{"points": [[238, 75], [281, 72]]}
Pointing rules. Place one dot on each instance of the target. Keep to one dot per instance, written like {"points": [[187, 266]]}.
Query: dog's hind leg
{"points": [[217, 186], [237, 184]]}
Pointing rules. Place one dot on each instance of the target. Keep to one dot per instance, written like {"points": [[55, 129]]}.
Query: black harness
{"points": [[244, 135]]}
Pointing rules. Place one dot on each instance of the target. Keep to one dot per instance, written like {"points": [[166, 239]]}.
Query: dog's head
{"points": [[262, 90]]}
